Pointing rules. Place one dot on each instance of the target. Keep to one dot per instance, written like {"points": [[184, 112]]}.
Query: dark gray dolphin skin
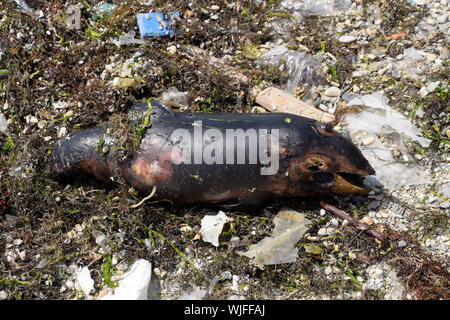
{"points": [[306, 157]]}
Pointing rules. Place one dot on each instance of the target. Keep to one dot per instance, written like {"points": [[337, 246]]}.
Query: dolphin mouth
{"points": [[349, 183]]}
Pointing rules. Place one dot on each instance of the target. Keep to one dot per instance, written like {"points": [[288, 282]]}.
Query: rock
{"points": [[334, 222], [18, 242], [322, 231], [3, 295], [333, 92], [215, 7], [412, 53], [347, 39], [101, 240], [62, 132], [402, 243], [431, 57], [85, 281], [373, 205], [211, 227], [445, 205], [432, 86], [423, 92], [368, 140], [172, 49], [133, 284], [420, 113], [360, 73], [442, 18]]}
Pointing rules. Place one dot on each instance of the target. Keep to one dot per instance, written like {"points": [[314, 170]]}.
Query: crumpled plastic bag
{"points": [[173, 98], [317, 7], [380, 120], [301, 67], [290, 226]]}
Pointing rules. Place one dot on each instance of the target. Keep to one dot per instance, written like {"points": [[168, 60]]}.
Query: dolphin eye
{"points": [[327, 127], [314, 168]]}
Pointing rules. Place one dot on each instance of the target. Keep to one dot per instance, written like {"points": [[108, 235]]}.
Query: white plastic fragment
{"points": [[174, 98], [73, 17], [134, 284], [290, 226], [211, 227], [128, 38], [3, 123], [85, 281], [196, 294]]}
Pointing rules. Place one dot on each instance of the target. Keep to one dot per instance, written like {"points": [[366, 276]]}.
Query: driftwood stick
{"points": [[276, 100], [355, 222]]}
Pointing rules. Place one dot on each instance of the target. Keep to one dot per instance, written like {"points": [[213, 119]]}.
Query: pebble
{"points": [[442, 18], [3, 295], [322, 231], [423, 92], [445, 205], [62, 132], [101, 240], [172, 49], [18, 242], [334, 222], [333, 92], [347, 39], [431, 57], [373, 205], [402, 243], [368, 140]]}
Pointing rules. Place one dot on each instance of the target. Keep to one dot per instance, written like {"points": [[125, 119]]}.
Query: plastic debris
{"points": [[317, 7], [24, 6], [196, 294], [128, 38], [418, 2], [85, 281], [73, 17], [301, 67], [174, 98], [102, 8], [211, 227], [290, 226], [134, 284], [276, 100], [155, 24], [379, 130], [3, 123]]}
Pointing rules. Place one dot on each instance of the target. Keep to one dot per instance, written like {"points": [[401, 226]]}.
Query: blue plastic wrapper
{"points": [[156, 25]]}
